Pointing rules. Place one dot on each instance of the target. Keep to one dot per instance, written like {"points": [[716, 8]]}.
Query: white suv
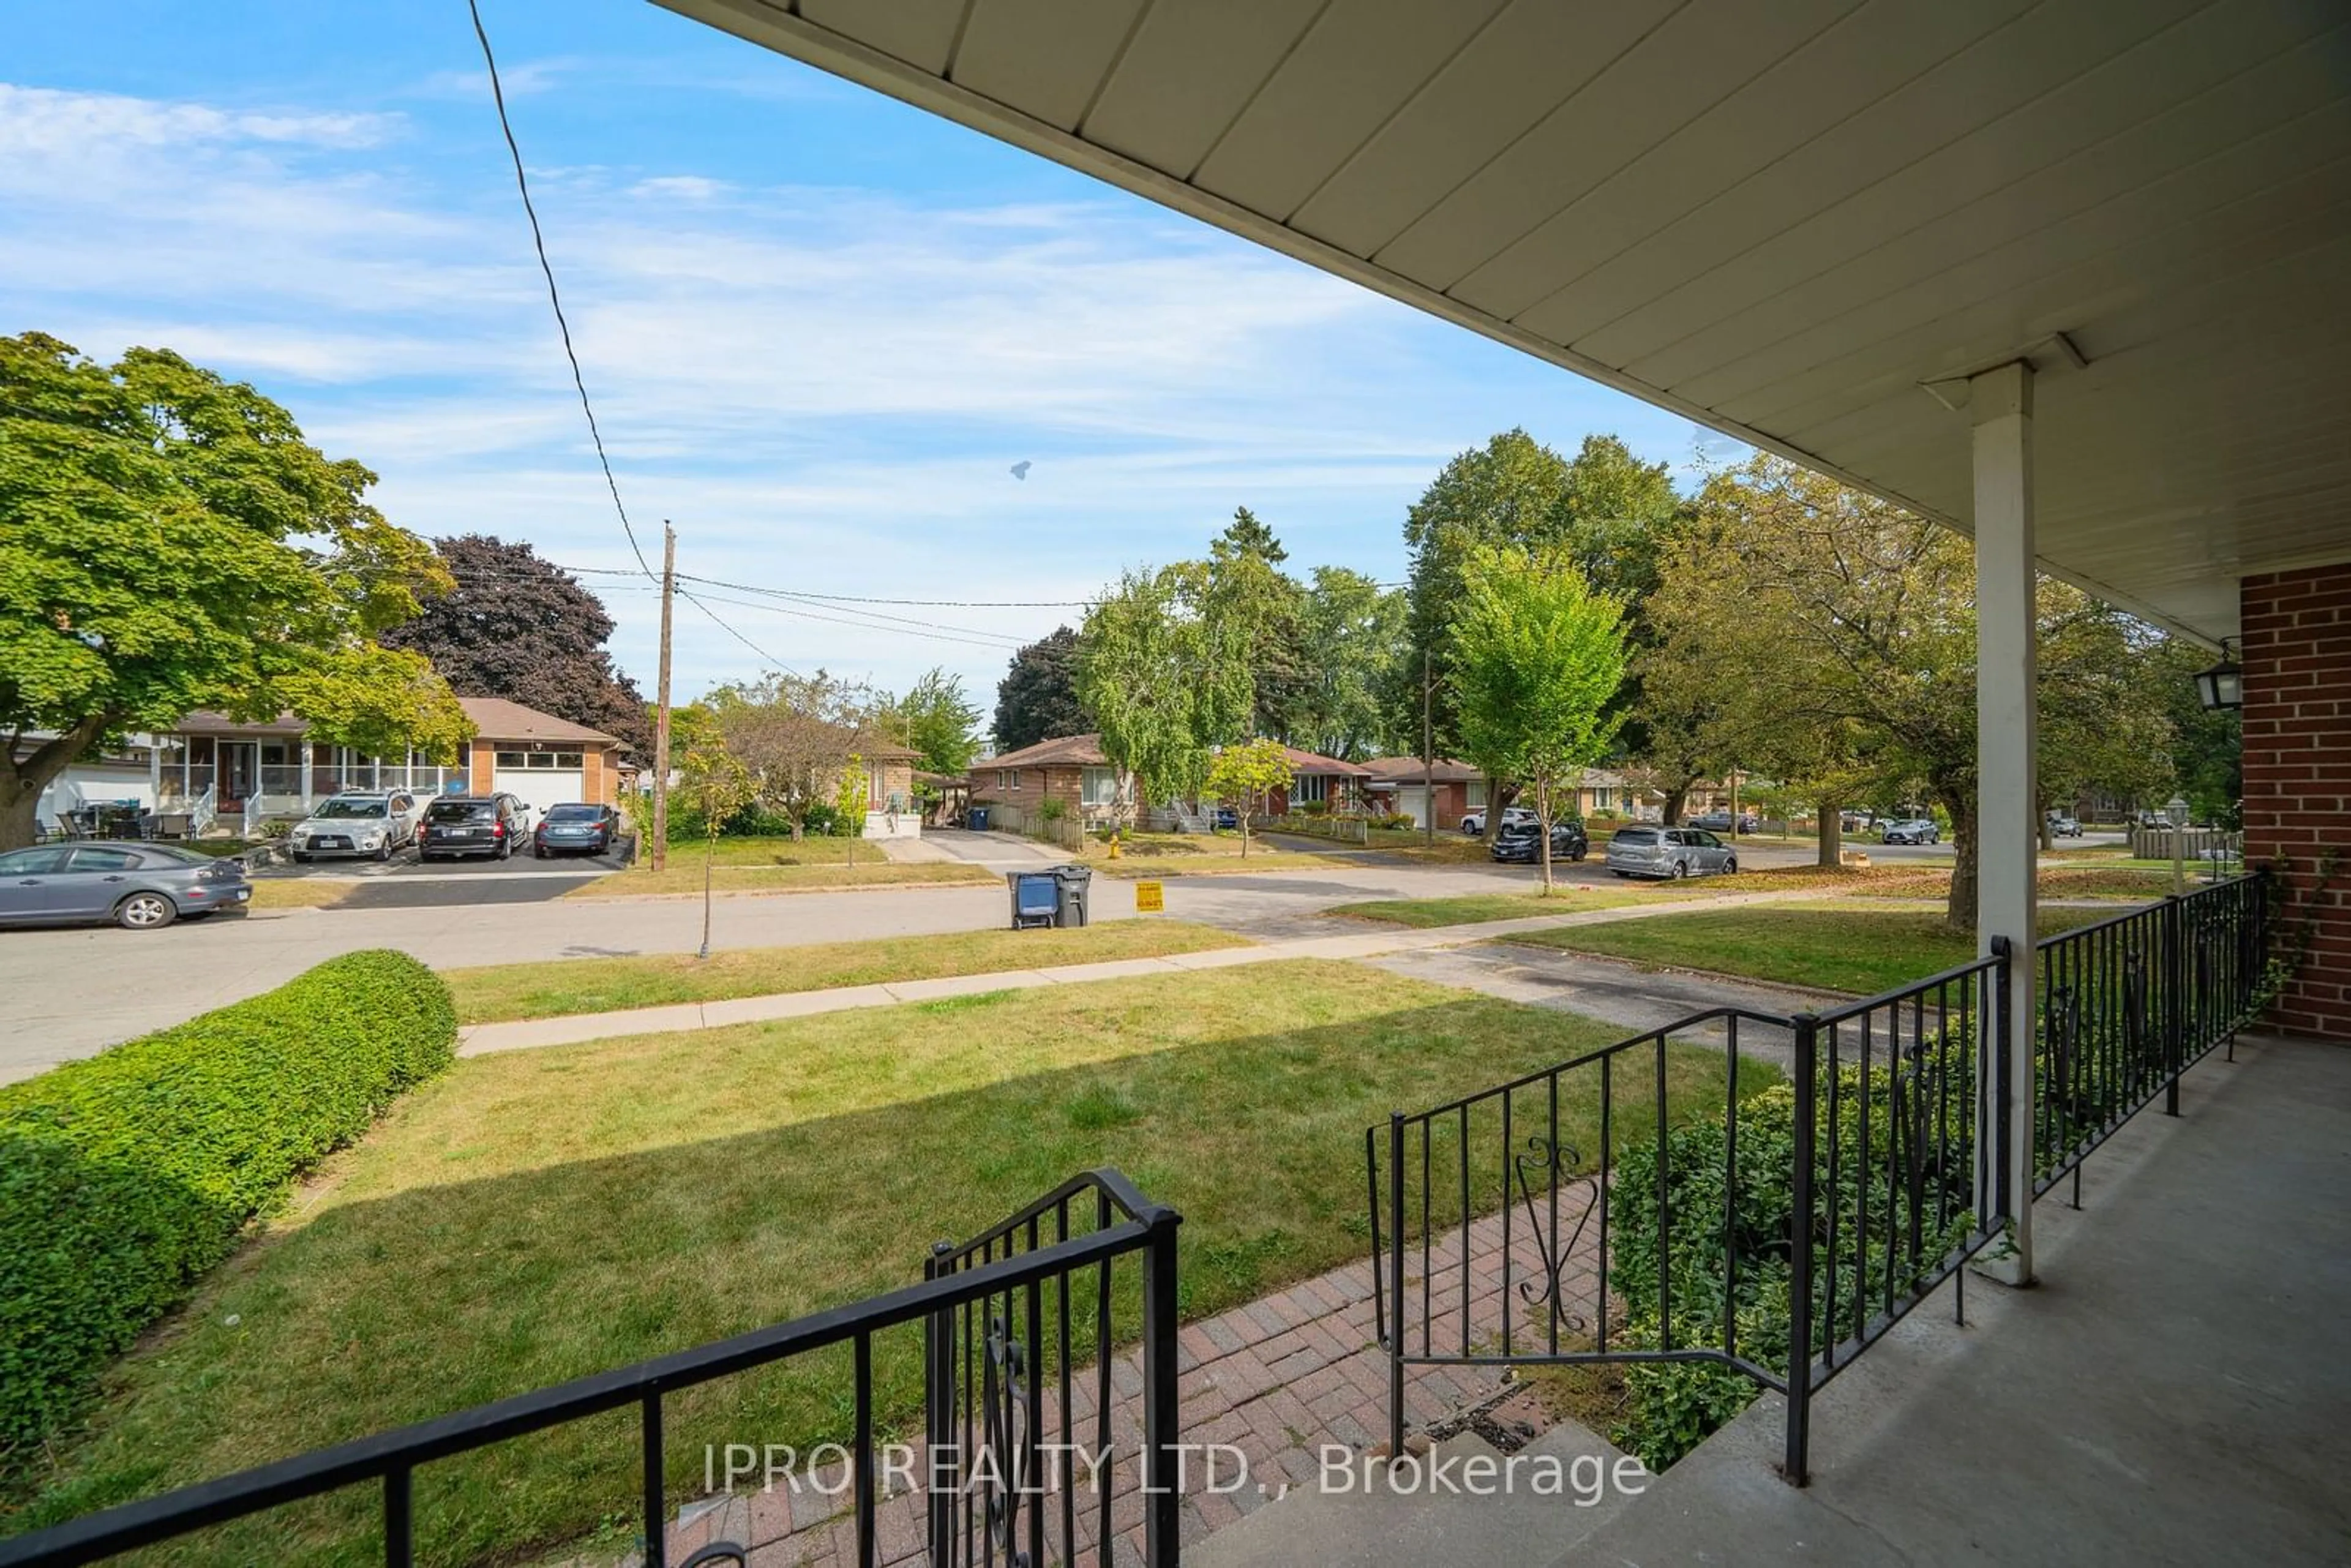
{"points": [[371, 822]]}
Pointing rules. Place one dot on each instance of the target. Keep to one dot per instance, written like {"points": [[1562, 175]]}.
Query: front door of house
{"points": [[238, 768]]}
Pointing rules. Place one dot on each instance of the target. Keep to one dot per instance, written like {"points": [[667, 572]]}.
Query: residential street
{"points": [[74, 990], [125, 983]]}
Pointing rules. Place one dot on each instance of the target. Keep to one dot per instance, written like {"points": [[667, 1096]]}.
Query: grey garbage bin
{"points": [[1073, 886], [1036, 898]]}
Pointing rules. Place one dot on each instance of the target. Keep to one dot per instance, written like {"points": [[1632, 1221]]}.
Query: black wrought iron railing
{"points": [[1892, 1188], [1571, 1216], [2127, 1005], [1491, 1219], [1018, 1436], [988, 1309]]}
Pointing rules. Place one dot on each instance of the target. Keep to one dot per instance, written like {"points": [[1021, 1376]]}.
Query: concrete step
{"points": [[1538, 1503]]}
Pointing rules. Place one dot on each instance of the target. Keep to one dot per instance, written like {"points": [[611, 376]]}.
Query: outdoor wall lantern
{"points": [[2223, 685], [2175, 812]]}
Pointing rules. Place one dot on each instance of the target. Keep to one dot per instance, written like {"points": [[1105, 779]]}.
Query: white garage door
{"points": [[540, 779], [1412, 801]]}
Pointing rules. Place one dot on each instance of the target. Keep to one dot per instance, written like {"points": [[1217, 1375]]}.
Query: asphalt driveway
{"points": [[404, 881]]}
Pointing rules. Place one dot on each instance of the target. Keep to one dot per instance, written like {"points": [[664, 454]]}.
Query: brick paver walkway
{"points": [[1276, 1379]]}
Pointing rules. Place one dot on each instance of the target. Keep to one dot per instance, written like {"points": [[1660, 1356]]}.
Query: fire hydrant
{"points": [[1113, 843]]}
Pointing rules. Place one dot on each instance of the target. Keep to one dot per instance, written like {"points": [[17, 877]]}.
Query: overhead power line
{"points": [[554, 296]]}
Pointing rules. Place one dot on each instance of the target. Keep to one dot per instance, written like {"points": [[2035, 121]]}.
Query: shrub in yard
{"points": [[124, 1177], [1671, 1407]]}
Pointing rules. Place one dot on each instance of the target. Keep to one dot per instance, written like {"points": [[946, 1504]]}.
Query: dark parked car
{"points": [[457, 825], [1227, 820], [1720, 823], [142, 887], [578, 828], [1522, 842]]}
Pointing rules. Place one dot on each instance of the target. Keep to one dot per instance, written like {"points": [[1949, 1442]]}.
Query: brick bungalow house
{"points": [[1070, 768], [1318, 780], [1396, 785]]}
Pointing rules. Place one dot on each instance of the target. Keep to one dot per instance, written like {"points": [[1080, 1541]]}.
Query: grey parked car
{"points": [[142, 887], [1669, 853]]}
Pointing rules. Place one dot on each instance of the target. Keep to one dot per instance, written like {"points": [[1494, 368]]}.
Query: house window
{"points": [[1600, 799], [1008, 780], [1098, 788], [514, 760], [1312, 787], [1477, 795]]}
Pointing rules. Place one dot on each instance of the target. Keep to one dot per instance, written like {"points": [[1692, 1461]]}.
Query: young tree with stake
{"points": [[1244, 775], [1535, 656], [714, 782]]}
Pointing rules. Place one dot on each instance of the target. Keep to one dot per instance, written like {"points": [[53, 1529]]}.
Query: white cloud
{"points": [[47, 123], [823, 386], [682, 187]]}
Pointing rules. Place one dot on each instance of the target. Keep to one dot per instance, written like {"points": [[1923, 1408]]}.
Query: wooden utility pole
{"points": [[661, 703], [1428, 759]]}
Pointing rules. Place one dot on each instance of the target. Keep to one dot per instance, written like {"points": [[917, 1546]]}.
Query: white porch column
{"points": [[2007, 846]]}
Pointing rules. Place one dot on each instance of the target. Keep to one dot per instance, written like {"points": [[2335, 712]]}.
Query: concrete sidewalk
{"points": [[476, 1039]]}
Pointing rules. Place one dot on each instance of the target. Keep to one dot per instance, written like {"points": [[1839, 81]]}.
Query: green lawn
{"points": [[1835, 947], [1145, 856], [645, 980], [777, 865], [539, 1214], [1470, 908]]}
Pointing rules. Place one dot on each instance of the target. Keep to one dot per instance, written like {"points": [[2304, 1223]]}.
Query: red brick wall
{"points": [[2297, 725], [1066, 785]]}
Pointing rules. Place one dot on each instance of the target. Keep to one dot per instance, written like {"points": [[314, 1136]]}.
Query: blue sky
{"points": [[819, 326]]}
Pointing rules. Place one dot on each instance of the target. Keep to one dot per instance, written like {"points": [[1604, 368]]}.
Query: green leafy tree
{"points": [[2106, 720], [849, 802], [794, 734], [1166, 682], [1261, 610], [168, 542], [380, 701], [938, 721], [1243, 775], [2207, 746], [713, 781], [1537, 659], [1506, 492], [1609, 511], [1837, 634], [1038, 698], [1355, 635]]}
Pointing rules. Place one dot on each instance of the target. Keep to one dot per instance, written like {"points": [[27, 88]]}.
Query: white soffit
{"points": [[1780, 220]]}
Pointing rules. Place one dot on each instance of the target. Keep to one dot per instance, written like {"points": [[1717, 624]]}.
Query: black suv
{"points": [[458, 825], [1523, 842]]}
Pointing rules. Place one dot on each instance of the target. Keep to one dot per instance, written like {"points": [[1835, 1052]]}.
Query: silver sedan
{"points": [[141, 887], [1670, 854]]}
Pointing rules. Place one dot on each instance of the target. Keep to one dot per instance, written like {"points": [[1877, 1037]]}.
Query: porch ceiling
{"points": [[1777, 220]]}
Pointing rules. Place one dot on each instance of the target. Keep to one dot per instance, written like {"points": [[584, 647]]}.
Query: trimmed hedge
{"points": [[126, 1176]]}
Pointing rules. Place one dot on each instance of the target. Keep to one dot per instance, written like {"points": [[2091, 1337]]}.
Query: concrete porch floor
{"points": [[2176, 1389]]}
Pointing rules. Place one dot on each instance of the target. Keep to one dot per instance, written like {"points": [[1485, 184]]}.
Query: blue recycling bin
{"points": [[979, 818], [1036, 897]]}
